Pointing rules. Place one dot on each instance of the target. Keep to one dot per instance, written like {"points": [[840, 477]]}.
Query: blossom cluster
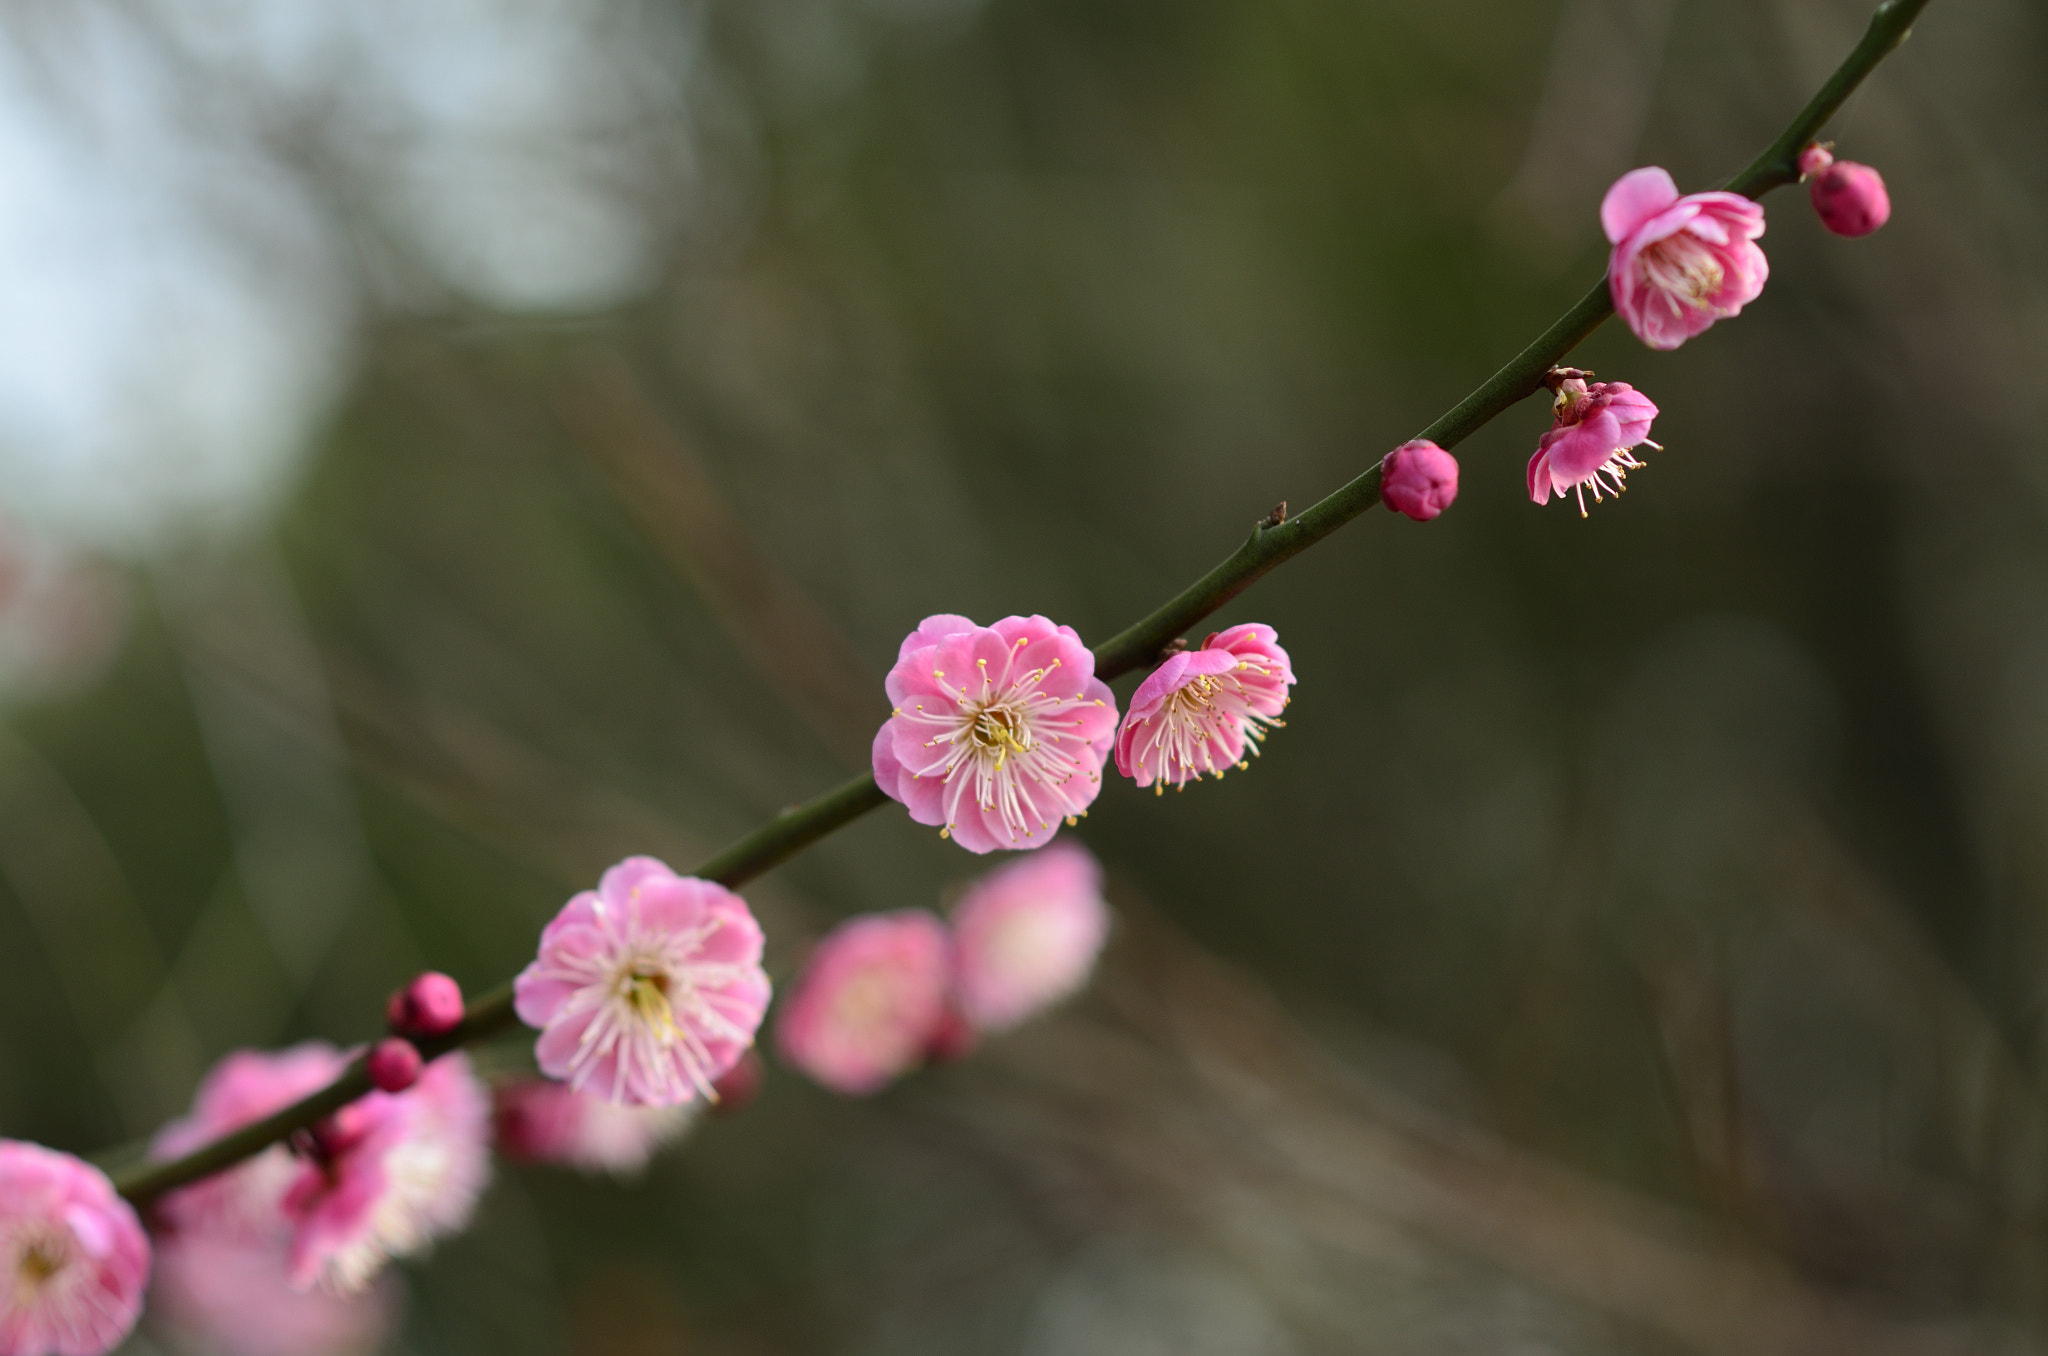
{"points": [[885, 993], [648, 991]]}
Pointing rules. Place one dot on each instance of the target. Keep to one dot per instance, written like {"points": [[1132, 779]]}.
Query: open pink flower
{"points": [[389, 1174], [869, 1002], [1026, 935], [998, 733], [1594, 430], [245, 1086], [647, 988], [540, 1121], [230, 1297], [1204, 710], [73, 1258], [1679, 263]]}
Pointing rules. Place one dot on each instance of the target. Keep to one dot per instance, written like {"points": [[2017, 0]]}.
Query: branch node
{"points": [[1276, 517]]}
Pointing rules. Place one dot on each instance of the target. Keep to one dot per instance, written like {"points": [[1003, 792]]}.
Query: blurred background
{"points": [[447, 446]]}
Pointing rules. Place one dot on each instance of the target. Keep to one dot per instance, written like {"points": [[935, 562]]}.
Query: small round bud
{"points": [[1814, 159], [738, 1086], [335, 1136], [429, 1006], [1419, 479], [394, 1064], [1851, 199]]}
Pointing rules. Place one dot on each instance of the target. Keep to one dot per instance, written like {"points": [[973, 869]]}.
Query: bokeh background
{"points": [[447, 446]]}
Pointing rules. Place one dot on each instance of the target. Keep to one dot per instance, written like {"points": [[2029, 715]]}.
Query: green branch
{"points": [[1137, 646]]}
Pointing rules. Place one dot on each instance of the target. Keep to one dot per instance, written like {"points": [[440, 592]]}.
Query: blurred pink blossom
{"points": [[541, 1121], [870, 1001], [1679, 263], [1026, 935], [73, 1258], [244, 1086], [389, 1174], [1850, 198], [1590, 444], [1204, 710], [647, 988], [230, 1297], [998, 732], [1419, 479]]}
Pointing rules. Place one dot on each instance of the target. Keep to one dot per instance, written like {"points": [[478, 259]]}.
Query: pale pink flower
{"points": [[869, 1002], [73, 1258], [1590, 446], [646, 989], [1204, 710], [388, 1175], [1679, 263], [1420, 479], [245, 1086], [1026, 935], [230, 1297], [540, 1121], [1850, 198], [998, 733]]}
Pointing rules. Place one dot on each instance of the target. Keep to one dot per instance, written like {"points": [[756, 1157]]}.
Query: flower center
{"points": [[646, 993], [1684, 266], [1001, 729], [41, 1258]]}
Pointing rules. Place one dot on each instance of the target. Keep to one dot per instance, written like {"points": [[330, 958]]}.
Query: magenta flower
{"points": [[73, 1258], [247, 1085], [998, 733], [1590, 444], [646, 989], [1420, 479], [540, 1121], [1679, 263], [231, 1297], [1204, 710], [387, 1175], [869, 1002], [1026, 936]]}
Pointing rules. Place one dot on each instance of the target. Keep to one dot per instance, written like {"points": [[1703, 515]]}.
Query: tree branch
{"points": [[1135, 647]]}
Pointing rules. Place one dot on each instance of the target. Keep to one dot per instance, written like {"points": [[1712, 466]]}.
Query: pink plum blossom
{"points": [[387, 1175], [1679, 263], [998, 732], [1594, 429], [1026, 935], [245, 1086], [647, 988], [230, 1297], [1204, 710], [541, 1121], [1420, 479], [73, 1258], [869, 1002]]}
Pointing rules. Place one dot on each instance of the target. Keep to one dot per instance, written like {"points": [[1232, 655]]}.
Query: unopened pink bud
{"points": [[1419, 479], [1814, 159], [394, 1064], [1851, 199], [429, 1006]]}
